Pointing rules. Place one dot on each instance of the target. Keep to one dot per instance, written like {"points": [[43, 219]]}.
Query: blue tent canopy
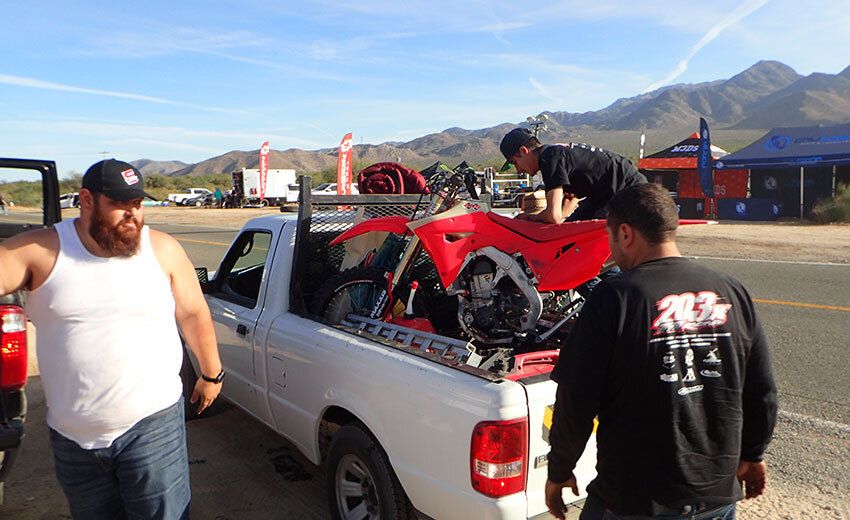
{"points": [[802, 146]]}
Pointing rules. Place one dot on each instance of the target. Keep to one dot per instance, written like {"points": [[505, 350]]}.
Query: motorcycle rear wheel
{"points": [[362, 291]]}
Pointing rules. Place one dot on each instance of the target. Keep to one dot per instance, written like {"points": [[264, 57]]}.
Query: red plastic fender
{"points": [[396, 224]]}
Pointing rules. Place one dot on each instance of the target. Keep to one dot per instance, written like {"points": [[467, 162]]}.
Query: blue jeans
{"points": [[144, 474], [594, 510]]}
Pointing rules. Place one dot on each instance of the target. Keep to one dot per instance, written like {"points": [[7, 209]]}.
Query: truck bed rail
{"points": [[450, 348]]}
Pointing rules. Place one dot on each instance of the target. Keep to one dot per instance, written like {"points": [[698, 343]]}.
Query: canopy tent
{"points": [[782, 152], [680, 156], [794, 147], [675, 167]]}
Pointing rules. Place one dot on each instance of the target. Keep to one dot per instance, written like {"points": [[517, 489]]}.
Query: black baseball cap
{"points": [[117, 180], [511, 143]]}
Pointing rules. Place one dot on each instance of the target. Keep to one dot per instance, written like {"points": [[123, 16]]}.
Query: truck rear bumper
{"points": [[573, 512]]}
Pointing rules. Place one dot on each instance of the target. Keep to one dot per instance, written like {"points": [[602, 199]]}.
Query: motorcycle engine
{"points": [[493, 307]]}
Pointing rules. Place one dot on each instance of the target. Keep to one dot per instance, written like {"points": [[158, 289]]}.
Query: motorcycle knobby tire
{"points": [[362, 276]]}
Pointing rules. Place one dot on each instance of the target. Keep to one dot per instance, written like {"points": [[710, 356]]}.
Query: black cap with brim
{"points": [[117, 180], [511, 144]]}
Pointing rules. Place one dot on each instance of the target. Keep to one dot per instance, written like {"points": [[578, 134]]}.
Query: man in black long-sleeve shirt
{"points": [[672, 359]]}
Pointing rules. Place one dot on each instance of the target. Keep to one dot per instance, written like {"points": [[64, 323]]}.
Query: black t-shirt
{"points": [[587, 171], [672, 359]]}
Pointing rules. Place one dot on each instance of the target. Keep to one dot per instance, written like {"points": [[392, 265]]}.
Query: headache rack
{"points": [[322, 218]]}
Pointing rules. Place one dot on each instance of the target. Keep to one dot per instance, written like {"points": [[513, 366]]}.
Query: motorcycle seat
{"points": [[540, 232]]}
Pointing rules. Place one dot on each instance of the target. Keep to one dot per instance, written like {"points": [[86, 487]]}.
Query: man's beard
{"points": [[116, 240]]}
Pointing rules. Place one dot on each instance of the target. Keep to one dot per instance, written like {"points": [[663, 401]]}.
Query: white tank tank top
{"points": [[107, 343]]}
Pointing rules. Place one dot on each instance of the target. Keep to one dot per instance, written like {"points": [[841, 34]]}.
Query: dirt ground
{"points": [[783, 240]]}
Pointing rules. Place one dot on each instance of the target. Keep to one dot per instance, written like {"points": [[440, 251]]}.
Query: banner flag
{"points": [[343, 166], [264, 168], [704, 166]]}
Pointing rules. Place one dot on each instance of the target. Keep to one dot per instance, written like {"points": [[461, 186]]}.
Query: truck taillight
{"points": [[498, 457], [13, 347]]}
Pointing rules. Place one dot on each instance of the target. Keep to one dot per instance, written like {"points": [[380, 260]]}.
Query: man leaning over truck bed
{"points": [[106, 294]]}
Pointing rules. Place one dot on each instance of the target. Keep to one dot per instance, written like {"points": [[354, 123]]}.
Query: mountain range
{"points": [[739, 109]]}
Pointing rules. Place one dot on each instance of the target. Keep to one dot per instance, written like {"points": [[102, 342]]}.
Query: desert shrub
{"points": [[22, 193], [834, 210]]}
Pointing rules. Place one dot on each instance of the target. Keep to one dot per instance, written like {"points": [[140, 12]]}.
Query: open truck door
{"points": [[40, 207]]}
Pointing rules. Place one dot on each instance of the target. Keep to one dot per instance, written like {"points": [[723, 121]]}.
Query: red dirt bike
{"points": [[513, 279]]}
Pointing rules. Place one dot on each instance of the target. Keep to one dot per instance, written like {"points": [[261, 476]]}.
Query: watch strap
{"points": [[217, 379]]}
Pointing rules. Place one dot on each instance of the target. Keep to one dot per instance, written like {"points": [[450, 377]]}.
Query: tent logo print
{"points": [[777, 142]]}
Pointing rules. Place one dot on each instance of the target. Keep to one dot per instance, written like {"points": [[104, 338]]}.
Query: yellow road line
{"points": [[196, 241], [803, 305]]}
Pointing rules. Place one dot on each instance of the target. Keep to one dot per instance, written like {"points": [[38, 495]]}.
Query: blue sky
{"points": [[192, 80]]}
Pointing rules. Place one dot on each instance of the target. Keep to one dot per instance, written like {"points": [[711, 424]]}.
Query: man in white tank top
{"points": [[107, 294]]}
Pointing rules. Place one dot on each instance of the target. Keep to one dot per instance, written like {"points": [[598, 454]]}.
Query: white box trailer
{"points": [[246, 186]]}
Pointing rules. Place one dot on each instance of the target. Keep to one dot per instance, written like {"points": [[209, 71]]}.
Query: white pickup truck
{"points": [[406, 423], [188, 193]]}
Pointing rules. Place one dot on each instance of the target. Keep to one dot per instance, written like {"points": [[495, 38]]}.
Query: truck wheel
{"points": [[264, 203], [7, 458], [359, 290], [361, 483]]}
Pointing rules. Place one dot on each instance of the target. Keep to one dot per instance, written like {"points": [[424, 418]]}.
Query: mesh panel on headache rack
{"points": [[321, 261]]}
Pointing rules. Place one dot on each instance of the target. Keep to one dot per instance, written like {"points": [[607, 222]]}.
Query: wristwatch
{"points": [[217, 379]]}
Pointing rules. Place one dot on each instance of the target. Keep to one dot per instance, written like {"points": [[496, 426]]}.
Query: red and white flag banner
{"points": [[264, 168], [343, 166]]}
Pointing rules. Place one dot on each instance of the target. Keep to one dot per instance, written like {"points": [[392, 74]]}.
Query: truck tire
{"points": [[7, 459], [359, 290], [264, 203], [361, 482]]}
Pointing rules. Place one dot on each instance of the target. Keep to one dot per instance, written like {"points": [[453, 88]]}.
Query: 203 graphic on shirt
{"points": [[690, 312]]}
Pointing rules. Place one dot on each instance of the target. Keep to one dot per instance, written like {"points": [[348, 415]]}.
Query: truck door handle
{"points": [[242, 330]]}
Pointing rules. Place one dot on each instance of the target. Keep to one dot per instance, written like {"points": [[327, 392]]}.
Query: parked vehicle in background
{"points": [[13, 321], [292, 195], [69, 200], [246, 186], [200, 200], [153, 202], [188, 193], [329, 188]]}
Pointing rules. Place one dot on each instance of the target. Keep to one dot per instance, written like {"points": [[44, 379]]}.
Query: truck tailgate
{"points": [[540, 391]]}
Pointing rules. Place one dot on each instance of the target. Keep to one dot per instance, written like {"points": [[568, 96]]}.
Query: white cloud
{"points": [[543, 91], [741, 12], [21, 81], [157, 40]]}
